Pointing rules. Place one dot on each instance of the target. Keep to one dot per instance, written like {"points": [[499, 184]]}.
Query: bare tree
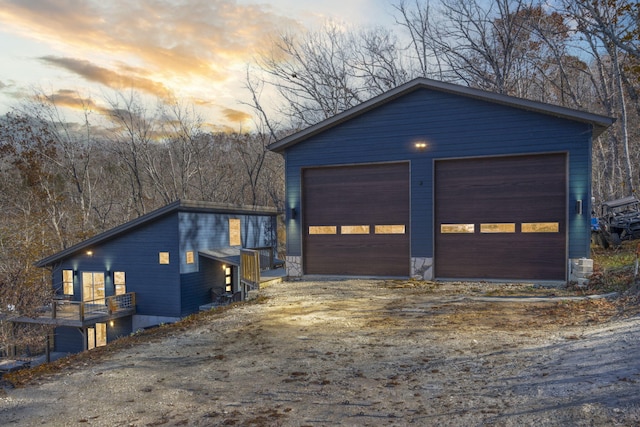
{"points": [[417, 20], [608, 31], [320, 74], [132, 131]]}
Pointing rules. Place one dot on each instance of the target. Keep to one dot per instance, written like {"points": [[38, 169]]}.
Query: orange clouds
{"points": [[235, 116], [108, 77], [156, 46]]}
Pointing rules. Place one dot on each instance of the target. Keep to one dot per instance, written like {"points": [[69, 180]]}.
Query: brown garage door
{"points": [[501, 218], [356, 220]]}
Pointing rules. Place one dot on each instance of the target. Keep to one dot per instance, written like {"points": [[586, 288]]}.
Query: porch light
{"points": [[579, 207], [89, 253], [224, 267], [294, 213], [111, 323]]}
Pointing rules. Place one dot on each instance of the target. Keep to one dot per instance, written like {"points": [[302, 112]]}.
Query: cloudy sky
{"points": [[196, 49]]}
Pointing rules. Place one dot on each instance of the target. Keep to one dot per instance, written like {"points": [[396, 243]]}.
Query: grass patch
{"points": [[614, 269]]}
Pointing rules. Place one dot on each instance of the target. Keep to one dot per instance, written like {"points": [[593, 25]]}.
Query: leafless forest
{"points": [[66, 179]]}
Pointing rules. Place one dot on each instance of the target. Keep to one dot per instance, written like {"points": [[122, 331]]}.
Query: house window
{"points": [[93, 287], [97, 337], [190, 257], [228, 279], [119, 282], [67, 282], [164, 257], [234, 232]]}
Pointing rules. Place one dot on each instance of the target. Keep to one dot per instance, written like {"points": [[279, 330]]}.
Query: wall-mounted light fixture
{"points": [[294, 213], [89, 253], [579, 207], [111, 323], [420, 145]]}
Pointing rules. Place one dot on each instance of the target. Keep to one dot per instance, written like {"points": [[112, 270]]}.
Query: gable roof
{"points": [[177, 206], [600, 123]]}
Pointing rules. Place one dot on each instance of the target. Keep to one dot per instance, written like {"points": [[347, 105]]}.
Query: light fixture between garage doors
{"points": [[420, 145], [579, 207]]}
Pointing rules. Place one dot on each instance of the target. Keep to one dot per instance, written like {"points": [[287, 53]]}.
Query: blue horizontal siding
{"points": [[157, 286], [68, 340], [453, 126]]}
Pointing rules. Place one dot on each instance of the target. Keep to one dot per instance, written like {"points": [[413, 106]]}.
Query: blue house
{"points": [[440, 181], [155, 269]]}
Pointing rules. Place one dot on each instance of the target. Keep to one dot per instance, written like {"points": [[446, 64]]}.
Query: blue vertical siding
{"points": [[452, 126]]}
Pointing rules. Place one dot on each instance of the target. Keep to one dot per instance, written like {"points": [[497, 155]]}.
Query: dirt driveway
{"points": [[360, 353]]}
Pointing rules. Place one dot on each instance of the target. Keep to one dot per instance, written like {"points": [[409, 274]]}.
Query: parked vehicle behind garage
{"points": [[619, 220]]}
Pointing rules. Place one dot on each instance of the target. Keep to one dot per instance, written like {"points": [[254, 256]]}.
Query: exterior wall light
{"points": [[579, 207], [89, 253], [294, 213]]}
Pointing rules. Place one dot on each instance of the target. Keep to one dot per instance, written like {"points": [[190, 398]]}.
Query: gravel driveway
{"points": [[360, 353]]}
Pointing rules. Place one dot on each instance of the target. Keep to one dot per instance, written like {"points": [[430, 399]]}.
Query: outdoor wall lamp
{"points": [[579, 207], [89, 253], [420, 145], [294, 213]]}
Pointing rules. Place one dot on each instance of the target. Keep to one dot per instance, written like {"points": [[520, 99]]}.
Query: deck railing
{"points": [[250, 268], [80, 310], [268, 259]]}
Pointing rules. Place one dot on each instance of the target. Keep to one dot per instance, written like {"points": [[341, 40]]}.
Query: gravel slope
{"points": [[361, 353]]}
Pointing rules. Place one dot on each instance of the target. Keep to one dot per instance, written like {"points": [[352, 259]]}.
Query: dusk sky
{"points": [[196, 49]]}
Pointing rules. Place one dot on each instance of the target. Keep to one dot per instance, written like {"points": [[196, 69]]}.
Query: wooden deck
{"points": [[81, 314]]}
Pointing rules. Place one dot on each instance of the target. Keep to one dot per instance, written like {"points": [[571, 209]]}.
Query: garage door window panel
{"points": [[323, 229], [457, 228], [355, 229], [540, 227], [498, 228], [390, 229]]}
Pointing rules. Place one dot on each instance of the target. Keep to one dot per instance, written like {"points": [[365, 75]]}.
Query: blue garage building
{"points": [[441, 181]]}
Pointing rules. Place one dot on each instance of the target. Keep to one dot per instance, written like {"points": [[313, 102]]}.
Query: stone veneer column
{"points": [[422, 268], [580, 269], [294, 266]]}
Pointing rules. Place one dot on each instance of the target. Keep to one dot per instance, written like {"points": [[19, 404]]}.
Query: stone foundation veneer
{"points": [[580, 269], [422, 268], [294, 266]]}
